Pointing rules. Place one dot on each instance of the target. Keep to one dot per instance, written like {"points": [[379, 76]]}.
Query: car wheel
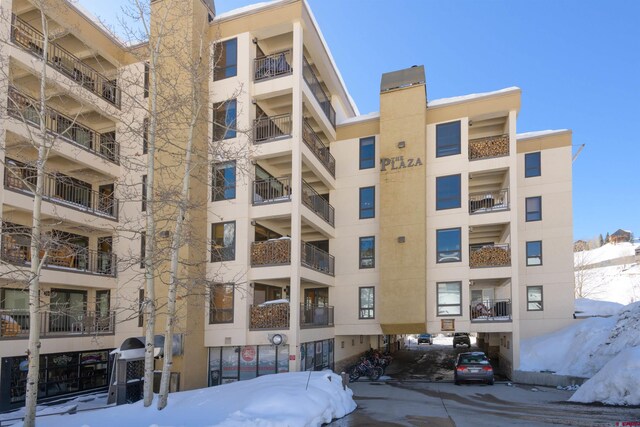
{"points": [[456, 382], [490, 382]]}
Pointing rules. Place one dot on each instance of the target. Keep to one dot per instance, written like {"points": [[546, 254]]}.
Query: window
{"points": [[367, 202], [225, 60], [146, 80], [448, 139], [534, 298], [140, 308], [449, 246], [143, 248], [448, 192], [221, 303], [534, 208], [223, 186], [532, 165], [145, 135], [14, 299], [223, 241], [224, 120], [367, 252], [366, 304], [367, 152], [144, 193], [534, 253], [450, 299]]}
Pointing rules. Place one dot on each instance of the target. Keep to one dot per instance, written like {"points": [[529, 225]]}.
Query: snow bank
{"points": [[291, 399], [605, 253], [585, 348], [587, 307], [616, 383]]}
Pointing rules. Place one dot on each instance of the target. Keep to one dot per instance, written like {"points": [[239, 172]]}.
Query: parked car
{"points": [[425, 339], [460, 338], [473, 366]]}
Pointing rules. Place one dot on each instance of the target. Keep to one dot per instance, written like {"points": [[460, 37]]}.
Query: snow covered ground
{"points": [[291, 399], [606, 350]]}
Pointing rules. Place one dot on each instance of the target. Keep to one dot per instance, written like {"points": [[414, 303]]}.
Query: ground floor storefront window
{"points": [[316, 355], [60, 374], [238, 363]]}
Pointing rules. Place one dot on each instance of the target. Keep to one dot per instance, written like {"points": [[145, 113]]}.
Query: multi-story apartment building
{"points": [[332, 233]]}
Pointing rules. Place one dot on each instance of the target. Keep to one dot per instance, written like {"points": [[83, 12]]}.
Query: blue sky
{"points": [[577, 62]]}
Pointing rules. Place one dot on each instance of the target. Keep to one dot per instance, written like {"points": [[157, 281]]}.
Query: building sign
{"points": [[448, 324], [248, 353], [393, 163]]}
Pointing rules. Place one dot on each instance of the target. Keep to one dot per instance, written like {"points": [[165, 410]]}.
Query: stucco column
{"points": [[515, 242], [296, 199]]}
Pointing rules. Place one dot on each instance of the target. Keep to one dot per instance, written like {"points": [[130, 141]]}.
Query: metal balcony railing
{"points": [[269, 316], [80, 260], [32, 40], [15, 323], [274, 65], [317, 203], [318, 148], [61, 190], [489, 201], [272, 190], [490, 310], [317, 259], [488, 147], [494, 255], [314, 316], [271, 128], [271, 252], [23, 107], [319, 93]]}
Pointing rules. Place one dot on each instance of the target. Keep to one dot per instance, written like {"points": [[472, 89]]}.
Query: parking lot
{"points": [[418, 391]]}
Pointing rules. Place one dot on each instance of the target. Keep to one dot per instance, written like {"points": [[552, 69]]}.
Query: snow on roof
{"points": [[527, 135], [472, 96], [97, 22], [361, 118], [262, 5], [247, 9]]}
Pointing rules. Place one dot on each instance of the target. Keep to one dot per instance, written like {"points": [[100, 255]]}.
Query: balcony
{"points": [[318, 92], [314, 316], [271, 252], [61, 190], [272, 190], [32, 40], [493, 255], [15, 324], [491, 310], [312, 140], [317, 203], [317, 259], [27, 109], [67, 258], [271, 128], [271, 66], [489, 201], [269, 316], [489, 147]]}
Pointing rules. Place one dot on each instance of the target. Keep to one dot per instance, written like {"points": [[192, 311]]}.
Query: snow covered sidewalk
{"points": [[291, 399]]}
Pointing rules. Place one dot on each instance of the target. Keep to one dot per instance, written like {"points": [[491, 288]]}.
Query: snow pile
{"points": [[607, 350], [616, 383], [587, 307], [291, 399], [535, 134], [472, 96]]}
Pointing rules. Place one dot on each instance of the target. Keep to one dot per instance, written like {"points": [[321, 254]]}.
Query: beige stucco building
{"points": [[330, 231]]}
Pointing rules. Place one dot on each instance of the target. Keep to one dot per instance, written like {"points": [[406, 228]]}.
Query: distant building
{"points": [[580, 245], [620, 236]]}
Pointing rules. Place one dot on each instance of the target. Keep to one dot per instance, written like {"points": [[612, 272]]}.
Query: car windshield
{"points": [[471, 359]]}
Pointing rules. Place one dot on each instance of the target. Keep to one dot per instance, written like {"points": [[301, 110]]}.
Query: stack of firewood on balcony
{"points": [[270, 316], [490, 256], [271, 252], [493, 146]]}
